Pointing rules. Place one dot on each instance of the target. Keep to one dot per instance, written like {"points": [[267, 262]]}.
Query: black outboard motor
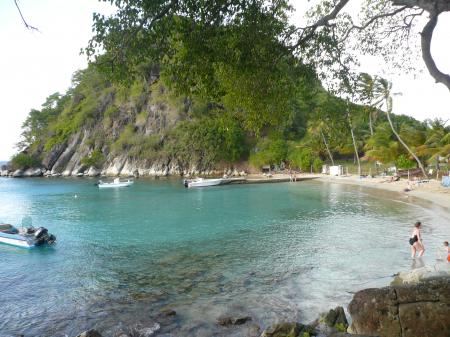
{"points": [[42, 236], [40, 232]]}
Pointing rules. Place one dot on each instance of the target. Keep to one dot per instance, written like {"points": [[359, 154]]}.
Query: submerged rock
{"points": [[420, 274], [168, 312], [419, 310], [228, 320], [289, 329], [139, 331], [90, 333]]}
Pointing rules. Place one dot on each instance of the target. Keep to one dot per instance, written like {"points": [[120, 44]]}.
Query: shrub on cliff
{"points": [[95, 159], [24, 161]]}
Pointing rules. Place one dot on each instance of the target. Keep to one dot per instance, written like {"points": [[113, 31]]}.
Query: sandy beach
{"points": [[431, 191]]}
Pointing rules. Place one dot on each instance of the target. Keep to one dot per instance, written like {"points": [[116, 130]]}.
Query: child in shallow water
{"points": [[447, 250]]}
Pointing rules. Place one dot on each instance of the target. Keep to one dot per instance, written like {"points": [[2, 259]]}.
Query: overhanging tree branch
{"points": [[426, 37], [23, 19], [430, 6], [308, 31], [372, 20]]}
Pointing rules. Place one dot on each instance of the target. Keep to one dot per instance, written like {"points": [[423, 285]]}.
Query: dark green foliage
{"points": [[24, 161], [36, 124], [95, 159], [270, 151], [207, 141], [231, 53]]}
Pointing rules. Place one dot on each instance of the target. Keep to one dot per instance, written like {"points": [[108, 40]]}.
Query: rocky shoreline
{"points": [[118, 170], [416, 304]]}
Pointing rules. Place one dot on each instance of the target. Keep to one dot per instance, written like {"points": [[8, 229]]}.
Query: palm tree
{"points": [[365, 88], [353, 137], [318, 128], [380, 146], [383, 90], [437, 143]]}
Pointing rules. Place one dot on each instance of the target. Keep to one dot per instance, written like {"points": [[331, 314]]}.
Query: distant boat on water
{"points": [[115, 183], [25, 237], [202, 182]]}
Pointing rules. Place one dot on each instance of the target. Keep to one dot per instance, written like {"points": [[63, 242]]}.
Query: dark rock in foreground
{"points": [[90, 333], [419, 310], [336, 318], [289, 329], [168, 312]]}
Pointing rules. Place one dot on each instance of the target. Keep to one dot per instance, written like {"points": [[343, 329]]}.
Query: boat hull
{"points": [[16, 240], [113, 185], [206, 182]]}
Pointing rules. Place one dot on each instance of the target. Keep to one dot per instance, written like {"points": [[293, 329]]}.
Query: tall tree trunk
{"points": [[370, 123], [353, 139], [388, 114], [328, 149]]}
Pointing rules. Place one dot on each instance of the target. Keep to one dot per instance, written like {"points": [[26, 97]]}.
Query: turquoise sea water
{"points": [[274, 252]]}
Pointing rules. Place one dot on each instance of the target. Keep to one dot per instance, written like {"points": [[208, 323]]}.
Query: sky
{"points": [[34, 65]]}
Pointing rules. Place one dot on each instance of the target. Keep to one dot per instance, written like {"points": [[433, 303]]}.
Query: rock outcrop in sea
{"points": [[403, 310]]}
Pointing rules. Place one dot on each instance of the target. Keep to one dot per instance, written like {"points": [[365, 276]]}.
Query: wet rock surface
{"points": [[289, 329], [417, 310], [336, 318], [228, 320], [90, 333]]}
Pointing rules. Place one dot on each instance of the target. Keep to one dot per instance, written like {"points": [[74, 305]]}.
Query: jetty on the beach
{"points": [[265, 180]]}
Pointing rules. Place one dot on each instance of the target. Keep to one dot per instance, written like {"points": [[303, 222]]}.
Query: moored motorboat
{"points": [[202, 182], [115, 183], [25, 237]]}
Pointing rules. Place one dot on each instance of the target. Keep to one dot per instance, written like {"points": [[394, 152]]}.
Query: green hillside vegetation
{"points": [[208, 133]]}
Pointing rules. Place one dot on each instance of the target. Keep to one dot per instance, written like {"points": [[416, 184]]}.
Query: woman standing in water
{"points": [[416, 241]]}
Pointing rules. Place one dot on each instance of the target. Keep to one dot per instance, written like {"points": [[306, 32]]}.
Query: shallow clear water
{"points": [[272, 251]]}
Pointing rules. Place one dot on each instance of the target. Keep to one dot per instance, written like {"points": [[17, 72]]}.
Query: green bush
{"points": [[96, 159], [269, 152], [403, 162], [24, 161], [301, 158], [317, 164]]}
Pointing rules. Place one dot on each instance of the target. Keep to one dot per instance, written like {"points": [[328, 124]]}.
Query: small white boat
{"points": [[25, 237], [202, 182], [115, 183]]}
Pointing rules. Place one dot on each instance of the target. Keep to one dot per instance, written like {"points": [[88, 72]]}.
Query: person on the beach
{"points": [[416, 241], [408, 187], [447, 250]]}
